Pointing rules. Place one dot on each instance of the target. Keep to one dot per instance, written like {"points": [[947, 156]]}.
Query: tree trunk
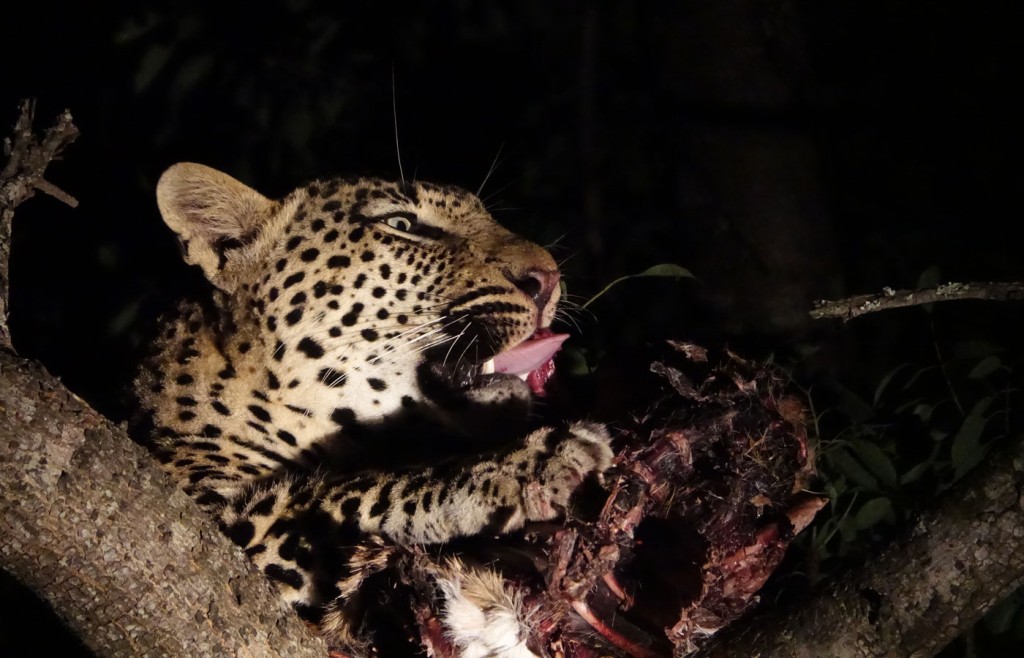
{"points": [[92, 525]]}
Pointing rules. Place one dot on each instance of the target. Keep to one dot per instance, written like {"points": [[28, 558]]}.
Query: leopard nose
{"points": [[538, 284]]}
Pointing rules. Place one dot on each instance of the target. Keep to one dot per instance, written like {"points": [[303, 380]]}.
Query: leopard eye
{"points": [[399, 222]]}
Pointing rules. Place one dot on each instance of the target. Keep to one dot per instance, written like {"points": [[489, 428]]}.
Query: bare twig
{"points": [[27, 160], [46, 187], [851, 307]]}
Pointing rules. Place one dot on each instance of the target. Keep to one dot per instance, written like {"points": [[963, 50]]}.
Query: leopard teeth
{"points": [[487, 368]]}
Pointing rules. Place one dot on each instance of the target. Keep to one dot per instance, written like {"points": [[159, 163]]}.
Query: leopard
{"points": [[363, 367]]}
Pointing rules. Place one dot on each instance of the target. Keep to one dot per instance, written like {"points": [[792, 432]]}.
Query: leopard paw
{"points": [[582, 450]]}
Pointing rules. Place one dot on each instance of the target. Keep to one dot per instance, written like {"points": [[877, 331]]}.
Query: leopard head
{"points": [[358, 290]]}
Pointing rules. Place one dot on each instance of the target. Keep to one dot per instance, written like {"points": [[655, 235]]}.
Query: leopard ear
{"points": [[218, 219]]}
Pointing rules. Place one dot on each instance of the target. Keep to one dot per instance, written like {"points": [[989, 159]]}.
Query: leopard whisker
{"points": [[397, 353], [444, 362], [458, 361]]}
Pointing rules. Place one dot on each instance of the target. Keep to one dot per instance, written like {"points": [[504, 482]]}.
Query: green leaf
{"points": [[967, 450], [872, 512], [573, 362], [924, 412], [854, 406], [191, 73], [134, 29], [298, 127], [666, 269], [885, 382], [125, 318], [908, 406], [981, 406], [847, 534], [917, 375], [1000, 618], [975, 349], [876, 461], [929, 278], [852, 469], [662, 270], [1018, 626], [835, 489], [985, 367], [151, 65], [915, 473]]}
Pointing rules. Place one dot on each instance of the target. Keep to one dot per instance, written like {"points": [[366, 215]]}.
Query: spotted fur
{"points": [[351, 310]]}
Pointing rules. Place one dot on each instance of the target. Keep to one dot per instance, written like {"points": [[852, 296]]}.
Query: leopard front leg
{"points": [[302, 530], [496, 494]]}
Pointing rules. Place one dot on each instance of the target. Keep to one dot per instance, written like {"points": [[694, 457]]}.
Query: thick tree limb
{"points": [[90, 523], [27, 160], [851, 307], [919, 595]]}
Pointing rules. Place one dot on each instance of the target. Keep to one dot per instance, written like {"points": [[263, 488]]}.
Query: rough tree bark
{"points": [[91, 524]]}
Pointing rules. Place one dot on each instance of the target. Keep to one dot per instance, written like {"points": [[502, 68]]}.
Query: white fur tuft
{"points": [[483, 618]]}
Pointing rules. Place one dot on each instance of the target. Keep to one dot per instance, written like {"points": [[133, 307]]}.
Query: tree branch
{"points": [[919, 595], [27, 160], [92, 525], [852, 307]]}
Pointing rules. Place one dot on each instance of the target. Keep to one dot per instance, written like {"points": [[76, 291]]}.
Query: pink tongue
{"points": [[530, 354]]}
